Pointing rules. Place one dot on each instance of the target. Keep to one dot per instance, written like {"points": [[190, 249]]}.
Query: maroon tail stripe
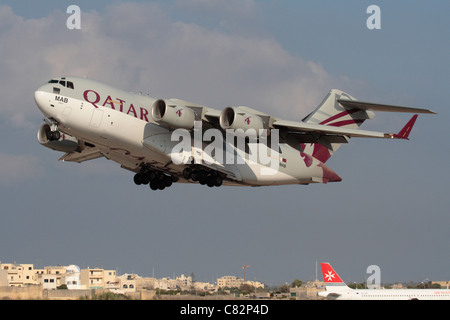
{"points": [[339, 115]]}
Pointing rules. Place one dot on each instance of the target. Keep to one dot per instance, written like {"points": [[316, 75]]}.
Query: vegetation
{"points": [[106, 296]]}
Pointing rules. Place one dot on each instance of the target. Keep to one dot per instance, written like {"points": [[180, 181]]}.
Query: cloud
{"points": [[140, 47]]}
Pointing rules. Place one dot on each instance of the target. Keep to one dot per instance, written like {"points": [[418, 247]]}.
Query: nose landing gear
{"points": [[52, 132], [53, 135]]}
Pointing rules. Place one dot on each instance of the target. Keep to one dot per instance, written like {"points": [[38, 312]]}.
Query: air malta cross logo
{"points": [[329, 276], [178, 113], [247, 120]]}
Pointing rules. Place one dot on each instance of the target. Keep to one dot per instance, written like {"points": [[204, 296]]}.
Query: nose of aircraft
{"points": [[41, 97]]}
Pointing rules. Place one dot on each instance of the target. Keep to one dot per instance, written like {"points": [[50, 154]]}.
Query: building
{"points": [[308, 290], [205, 287], [72, 277], [229, 281], [49, 281], [97, 278], [234, 282], [165, 284], [54, 275], [145, 283], [255, 284], [127, 283], [18, 275], [184, 282]]}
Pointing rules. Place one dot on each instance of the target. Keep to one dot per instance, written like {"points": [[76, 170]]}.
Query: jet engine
{"points": [[234, 118], [65, 143], [173, 115]]}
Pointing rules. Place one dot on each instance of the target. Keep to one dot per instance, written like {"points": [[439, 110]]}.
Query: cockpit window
{"points": [[68, 84]]}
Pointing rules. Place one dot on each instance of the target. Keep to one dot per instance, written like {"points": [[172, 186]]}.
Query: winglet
{"points": [[404, 133]]}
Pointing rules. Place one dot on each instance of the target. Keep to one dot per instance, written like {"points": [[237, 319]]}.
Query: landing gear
{"points": [[53, 135], [204, 176], [52, 131], [158, 180], [155, 179]]}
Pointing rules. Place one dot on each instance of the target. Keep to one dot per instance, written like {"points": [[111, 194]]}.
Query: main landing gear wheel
{"points": [[209, 177], [156, 180]]}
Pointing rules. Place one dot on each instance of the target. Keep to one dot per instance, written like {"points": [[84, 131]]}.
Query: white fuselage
{"points": [[387, 294]]}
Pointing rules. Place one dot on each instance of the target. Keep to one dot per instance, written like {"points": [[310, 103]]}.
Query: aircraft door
{"points": [[96, 118]]}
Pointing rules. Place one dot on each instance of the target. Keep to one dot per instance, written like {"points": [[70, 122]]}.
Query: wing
{"points": [[88, 153], [295, 126], [333, 133]]}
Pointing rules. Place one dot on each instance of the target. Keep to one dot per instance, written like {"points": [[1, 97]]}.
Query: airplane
{"points": [[164, 141], [336, 289]]}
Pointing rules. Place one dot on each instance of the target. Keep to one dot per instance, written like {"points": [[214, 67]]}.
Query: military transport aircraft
{"points": [[170, 140]]}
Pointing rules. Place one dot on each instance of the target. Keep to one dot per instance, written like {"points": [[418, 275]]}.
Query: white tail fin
{"points": [[331, 113]]}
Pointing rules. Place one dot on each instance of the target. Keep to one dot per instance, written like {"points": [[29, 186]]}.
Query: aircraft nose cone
{"points": [[42, 101]]}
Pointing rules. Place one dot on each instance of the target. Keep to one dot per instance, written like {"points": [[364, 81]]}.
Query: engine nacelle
{"points": [[66, 143], [234, 118], [173, 115]]}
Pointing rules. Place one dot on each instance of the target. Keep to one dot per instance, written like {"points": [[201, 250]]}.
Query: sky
{"points": [[392, 208]]}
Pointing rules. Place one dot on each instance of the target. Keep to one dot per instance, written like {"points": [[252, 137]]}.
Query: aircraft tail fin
{"points": [[331, 278], [331, 113], [340, 109]]}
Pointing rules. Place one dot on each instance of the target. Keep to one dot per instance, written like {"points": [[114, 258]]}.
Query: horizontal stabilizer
{"points": [[380, 107]]}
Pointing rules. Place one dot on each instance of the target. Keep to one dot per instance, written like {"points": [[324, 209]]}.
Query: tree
{"points": [[297, 283], [246, 288], [284, 288]]}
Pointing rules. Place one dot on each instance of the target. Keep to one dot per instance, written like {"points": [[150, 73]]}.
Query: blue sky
{"points": [[391, 209]]}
